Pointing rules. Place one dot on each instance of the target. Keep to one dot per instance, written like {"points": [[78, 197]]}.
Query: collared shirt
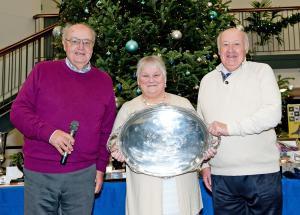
{"points": [[225, 73], [85, 69]]}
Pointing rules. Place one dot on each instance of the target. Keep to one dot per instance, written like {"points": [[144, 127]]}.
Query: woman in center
{"points": [[150, 195]]}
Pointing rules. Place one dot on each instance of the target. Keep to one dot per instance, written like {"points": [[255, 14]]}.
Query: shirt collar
{"points": [[225, 71], [85, 69]]}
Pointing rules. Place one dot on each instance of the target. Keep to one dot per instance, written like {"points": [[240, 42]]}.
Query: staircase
{"points": [[16, 61]]}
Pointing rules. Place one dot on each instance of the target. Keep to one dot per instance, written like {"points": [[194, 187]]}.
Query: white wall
{"points": [[49, 6], [16, 18]]}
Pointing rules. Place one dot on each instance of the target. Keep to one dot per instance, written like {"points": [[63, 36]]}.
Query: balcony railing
{"points": [[290, 35]]}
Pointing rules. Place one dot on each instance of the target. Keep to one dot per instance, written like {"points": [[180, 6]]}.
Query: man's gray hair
{"points": [[69, 25]]}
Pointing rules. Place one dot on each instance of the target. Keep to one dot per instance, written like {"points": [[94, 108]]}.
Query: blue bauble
{"points": [[138, 91], [213, 14], [208, 57], [131, 46], [119, 87]]}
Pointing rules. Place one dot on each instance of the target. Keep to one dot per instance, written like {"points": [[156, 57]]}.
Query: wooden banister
{"points": [[45, 15], [26, 40]]}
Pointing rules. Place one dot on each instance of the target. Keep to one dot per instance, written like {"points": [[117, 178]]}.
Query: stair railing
{"points": [[17, 60]]}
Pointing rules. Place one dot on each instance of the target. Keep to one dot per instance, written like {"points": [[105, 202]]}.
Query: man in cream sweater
{"points": [[240, 100]]}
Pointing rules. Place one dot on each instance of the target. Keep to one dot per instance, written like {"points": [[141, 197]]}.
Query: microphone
{"points": [[73, 128]]}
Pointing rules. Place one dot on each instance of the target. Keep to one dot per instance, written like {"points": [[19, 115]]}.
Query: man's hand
{"points": [[206, 177], [62, 141], [98, 181], [218, 129]]}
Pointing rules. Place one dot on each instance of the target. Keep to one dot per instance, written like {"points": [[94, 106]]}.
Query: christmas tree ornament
{"points": [[208, 57], [176, 34], [179, 31], [131, 46], [56, 32], [138, 91], [98, 4], [119, 87], [213, 14], [171, 61], [215, 56]]}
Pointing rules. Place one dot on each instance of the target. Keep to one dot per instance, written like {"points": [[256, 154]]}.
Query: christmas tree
{"points": [[182, 32]]}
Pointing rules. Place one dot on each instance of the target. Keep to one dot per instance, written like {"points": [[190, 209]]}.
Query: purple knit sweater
{"points": [[52, 97]]}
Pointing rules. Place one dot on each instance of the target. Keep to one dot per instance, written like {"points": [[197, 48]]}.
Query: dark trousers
{"points": [[247, 195], [53, 194]]}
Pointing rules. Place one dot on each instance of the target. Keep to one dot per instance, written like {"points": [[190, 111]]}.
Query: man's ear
{"points": [[64, 44]]}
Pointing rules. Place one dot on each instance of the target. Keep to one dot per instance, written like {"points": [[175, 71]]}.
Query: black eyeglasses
{"points": [[85, 42]]}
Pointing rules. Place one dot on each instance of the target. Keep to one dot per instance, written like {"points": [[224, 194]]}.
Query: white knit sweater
{"points": [[250, 105]]}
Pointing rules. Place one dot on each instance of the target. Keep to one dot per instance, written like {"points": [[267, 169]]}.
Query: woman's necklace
{"points": [[163, 100]]}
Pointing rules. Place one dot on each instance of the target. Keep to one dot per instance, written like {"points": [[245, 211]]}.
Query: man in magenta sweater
{"points": [[55, 94]]}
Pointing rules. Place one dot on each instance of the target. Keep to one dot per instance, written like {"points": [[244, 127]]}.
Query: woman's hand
{"points": [[209, 153], [116, 153]]}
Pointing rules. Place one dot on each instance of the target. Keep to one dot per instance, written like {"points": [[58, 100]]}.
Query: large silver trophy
{"points": [[163, 141]]}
